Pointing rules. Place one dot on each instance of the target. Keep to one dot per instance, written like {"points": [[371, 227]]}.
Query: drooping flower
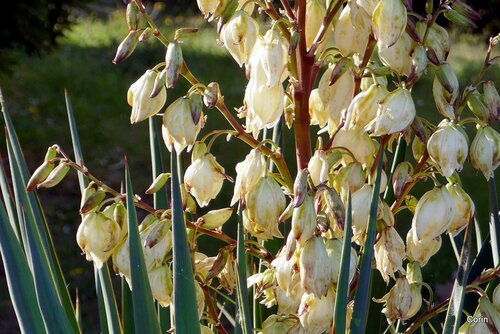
{"points": [[485, 151], [389, 253], [315, 267], [465, 208], [389, 21], [239, 36], [248, 173], [138, 97], [448, 147], [421, 250]]}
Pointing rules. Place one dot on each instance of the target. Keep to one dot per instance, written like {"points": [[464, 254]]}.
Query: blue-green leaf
{"points": [[108, 310], [363, 293], [343, 280], [19, 279], [185, 312], [145, 319], [455, 307], [245, 323]]}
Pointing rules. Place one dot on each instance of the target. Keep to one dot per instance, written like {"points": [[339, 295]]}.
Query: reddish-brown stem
{"points": [[288, 10], [301, 93], [370, 46], [212, 310]]}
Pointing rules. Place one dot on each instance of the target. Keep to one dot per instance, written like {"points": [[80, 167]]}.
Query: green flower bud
{"points": [[97, 236], [138, 97], [492, 99], [478, 108], [127, 46], [40, 175], [51, 153], [389, 21], [215, 218], [132, 15], [55, 176], [173, 63], [92, 201], [158, 183]]}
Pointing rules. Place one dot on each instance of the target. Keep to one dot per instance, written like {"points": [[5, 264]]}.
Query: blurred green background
{"points": [[34, 89]]}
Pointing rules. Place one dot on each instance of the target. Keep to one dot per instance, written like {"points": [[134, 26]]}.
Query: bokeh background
{"points": [[47, 46]]}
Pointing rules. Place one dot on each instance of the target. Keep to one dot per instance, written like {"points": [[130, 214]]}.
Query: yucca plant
{"points": [[318, 252]]}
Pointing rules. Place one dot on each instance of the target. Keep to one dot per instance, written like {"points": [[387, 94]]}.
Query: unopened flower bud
{"points": [[401, 176], [465, 208], [395, 112], [248, 173], [434, 214], [173, 63], [97, 236], [127, 46], [215, 218], [476, 105], [315, 267], [363, 108], [492, 99], [92, 201], [211, 95], [458, 18], [239, 36], [485, 151], [51, 153], [448, 148], [389, 253], [300, 187], [159, 84], [304, 220], [158, 183], [160, 280], [39, 175], [138, 96], [55, 176], [316, 312], [132, 15], [179, 127], [204, 178], [389, 21], [146, 34], [418, 63], [265, 203]]}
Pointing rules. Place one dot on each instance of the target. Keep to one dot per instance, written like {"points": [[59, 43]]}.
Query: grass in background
{"points": [[82, 64]]}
